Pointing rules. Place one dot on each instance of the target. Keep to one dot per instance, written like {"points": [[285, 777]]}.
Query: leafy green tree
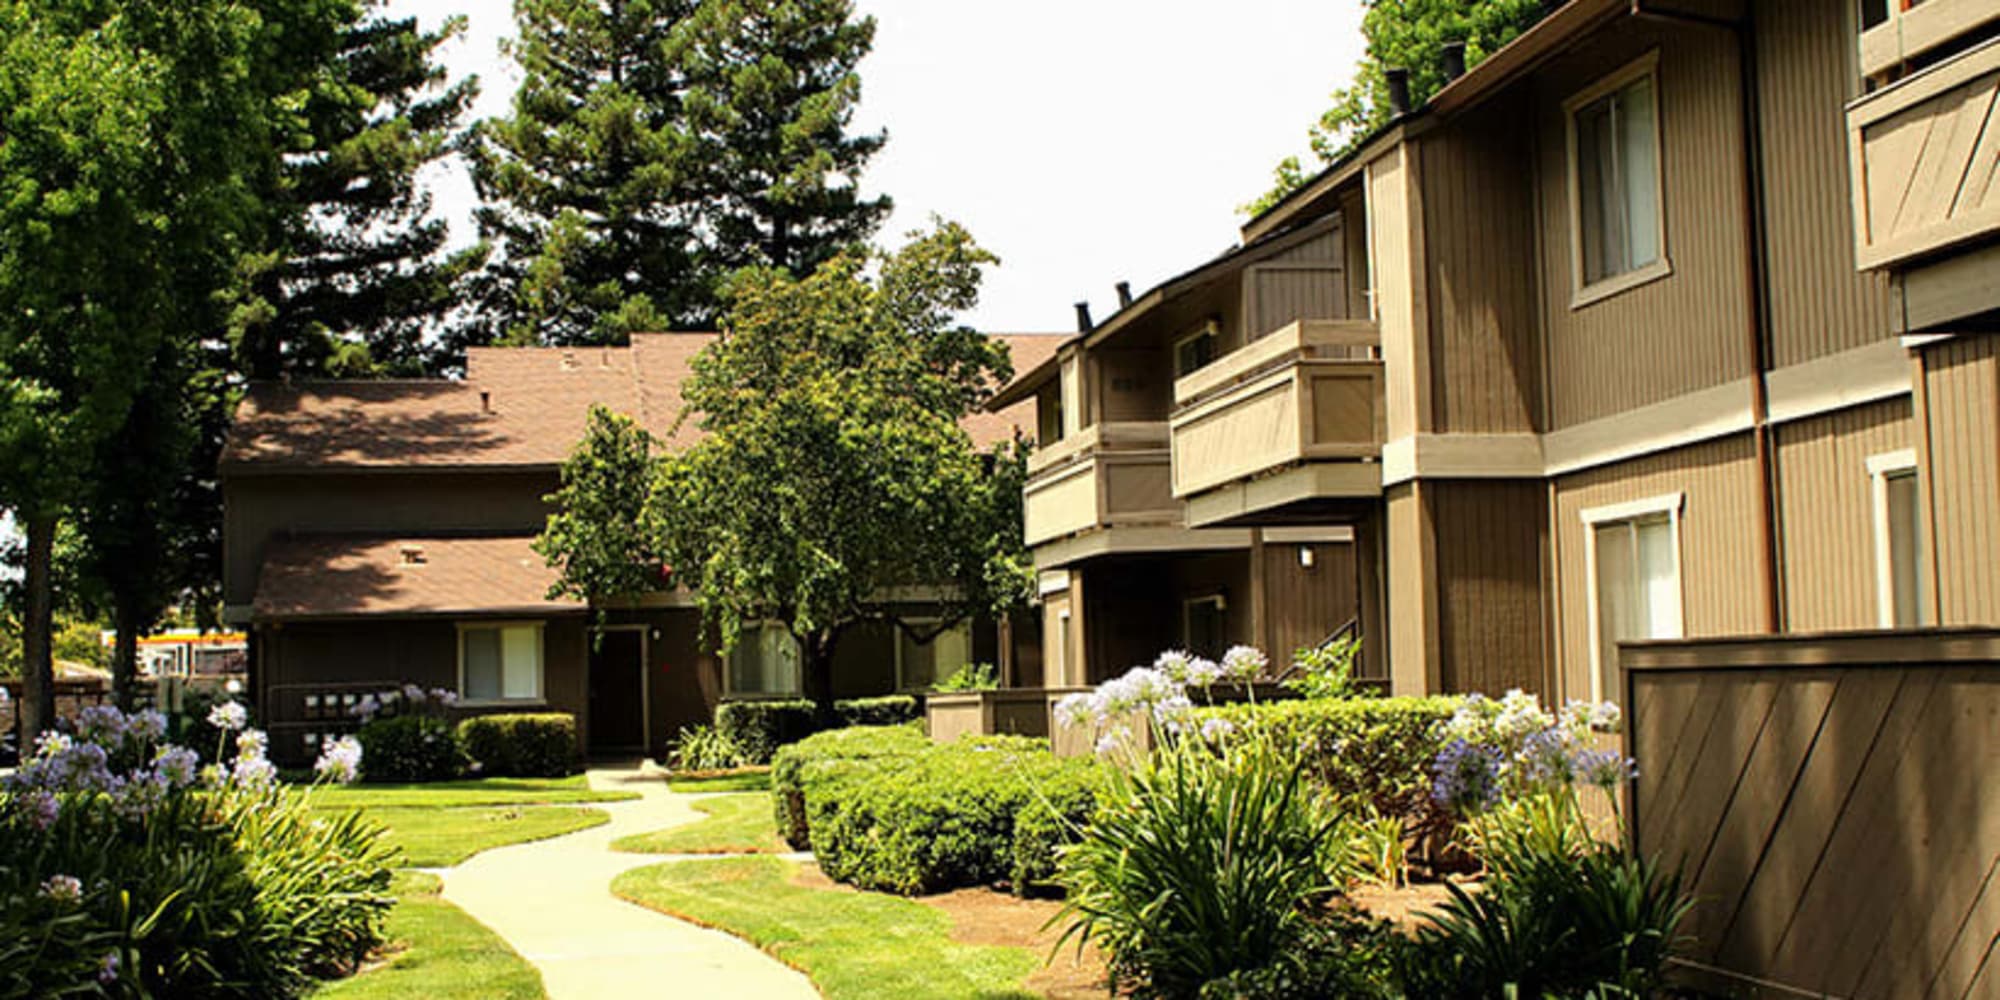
{"points": [[834, 468], [1410, 34], [656, 145], [599, 539]]}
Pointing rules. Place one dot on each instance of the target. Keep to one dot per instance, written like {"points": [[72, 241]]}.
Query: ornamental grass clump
{"points": [[129, 869]]}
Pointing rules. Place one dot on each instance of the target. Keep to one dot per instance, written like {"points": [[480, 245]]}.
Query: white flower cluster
{"points": [[1158, 692]]}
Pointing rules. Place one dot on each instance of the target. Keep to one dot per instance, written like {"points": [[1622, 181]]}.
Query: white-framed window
{"points": [[764, 662], [499, 662], [1898, 529], [1205, 625], [1617, 211], [1194, 351], [920, 665], [1633, 554]]}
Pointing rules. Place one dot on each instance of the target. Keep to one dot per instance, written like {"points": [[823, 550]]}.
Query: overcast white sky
{"points": [[1084, 141]]}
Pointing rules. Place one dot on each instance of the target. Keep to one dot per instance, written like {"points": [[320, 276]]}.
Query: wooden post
{"points": [[1260, 617]]}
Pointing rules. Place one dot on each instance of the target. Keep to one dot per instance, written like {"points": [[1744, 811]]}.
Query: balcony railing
{"points": [[1110, 474], [1921, 153], [1910, 31], [1310, 391]]}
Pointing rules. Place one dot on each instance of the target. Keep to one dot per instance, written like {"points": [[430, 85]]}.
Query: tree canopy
{"points": [[1410, 34]]}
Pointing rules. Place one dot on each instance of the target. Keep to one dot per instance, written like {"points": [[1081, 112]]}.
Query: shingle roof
{"points": [[326, 577], [517, 406]]}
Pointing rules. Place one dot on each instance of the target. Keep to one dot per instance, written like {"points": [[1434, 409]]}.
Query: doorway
{"points": [[617, 701]]}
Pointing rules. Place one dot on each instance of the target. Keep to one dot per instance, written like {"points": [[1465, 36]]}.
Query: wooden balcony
{"points": [[1910, 32], [1107, 475], [1923, 152], [1308, 394]]}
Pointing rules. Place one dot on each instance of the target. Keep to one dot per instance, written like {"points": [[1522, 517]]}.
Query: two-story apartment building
{"points": [[1670, 318], [378, 533]]}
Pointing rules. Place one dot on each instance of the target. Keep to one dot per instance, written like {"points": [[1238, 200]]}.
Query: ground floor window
{"points": [[765, 661], [1635, 581], [1899, 555], [1204, 625], [500, 662], [920, 665]]}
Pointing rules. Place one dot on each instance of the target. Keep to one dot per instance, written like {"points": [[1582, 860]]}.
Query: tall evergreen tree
{"points": [[354, 277], [657, 145]]}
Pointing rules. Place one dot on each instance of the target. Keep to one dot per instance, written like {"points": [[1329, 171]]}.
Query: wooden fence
{"points": [[1834, 802]]}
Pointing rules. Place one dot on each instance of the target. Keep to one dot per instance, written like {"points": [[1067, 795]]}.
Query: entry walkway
{"points": [[552, 901]]}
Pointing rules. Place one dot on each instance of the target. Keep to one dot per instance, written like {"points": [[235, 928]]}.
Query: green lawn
{"points": [[853, 945], [438, 953], [737, 824], [440, 838], [483, 792], [749, 779]]}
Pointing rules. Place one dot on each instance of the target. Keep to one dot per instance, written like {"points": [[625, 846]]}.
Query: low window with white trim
{"points": [[1636, 582], [500, 662], [1899, 557], [764, 662]]}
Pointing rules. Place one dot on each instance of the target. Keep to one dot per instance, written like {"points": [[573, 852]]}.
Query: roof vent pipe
{"points": [[1083, 323], [1453, 56], [1124, 294], [1399, 90]]}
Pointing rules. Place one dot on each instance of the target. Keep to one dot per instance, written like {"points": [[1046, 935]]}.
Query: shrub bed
{"points": [[1377, 750], [408, 748], [758, 728], [811, 760], [893, 710], [526, 745]]}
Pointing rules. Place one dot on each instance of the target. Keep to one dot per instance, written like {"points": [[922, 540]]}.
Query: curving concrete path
{"points": [[552, 901]]}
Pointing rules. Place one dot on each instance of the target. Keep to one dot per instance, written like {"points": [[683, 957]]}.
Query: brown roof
{"points": [[323, 577], [517, 406]]}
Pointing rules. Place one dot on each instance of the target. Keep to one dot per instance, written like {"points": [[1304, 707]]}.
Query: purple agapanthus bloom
{"points": [[1467, 777]]}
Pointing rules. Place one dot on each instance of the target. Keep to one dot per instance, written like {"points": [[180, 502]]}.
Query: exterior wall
{"points": [[1412, 604], [1826, 512], [1722, 591], [1490, 536], [1485, 358], [1304, 604], [1960, 400], [258, 508], [1819, 303], [1685, 331]]}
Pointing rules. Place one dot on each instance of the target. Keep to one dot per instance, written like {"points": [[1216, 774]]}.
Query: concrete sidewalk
{"points": [[552, 901]]}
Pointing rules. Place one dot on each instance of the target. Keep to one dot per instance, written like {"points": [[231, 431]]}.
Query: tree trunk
{"points": [[125, 655], [816, 656], [38, 690]]}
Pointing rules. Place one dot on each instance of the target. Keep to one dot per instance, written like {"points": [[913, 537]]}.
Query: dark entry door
{"points": [[617, 691]]}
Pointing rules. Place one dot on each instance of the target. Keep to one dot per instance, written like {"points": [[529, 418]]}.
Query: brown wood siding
{"points": [[1826, 512], [1490, 541], [1834, 819], [1962, 476], [1721, 587], [1305, 604], [1820, 304], [1685, 331], [1354, 251], [1485, 359]]}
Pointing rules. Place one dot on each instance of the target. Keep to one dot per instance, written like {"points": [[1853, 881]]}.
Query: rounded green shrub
{"points": [[410, 748], [795, 764], [521, 745], [892, 710], [760, 728]]}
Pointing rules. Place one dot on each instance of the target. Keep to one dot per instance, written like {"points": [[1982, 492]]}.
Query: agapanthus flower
{"points": [[147, 725], [1605, 768], [107, 968], [65, 890], [135, 797], [51, 743], [1111, 741], [1074, 710], [177, 765], [1520, 715], [253, 772], [1467, 777], [252, 743], [339, 760], [365, 709], [444, 697], [229, 716], [101, 724], [1214, 730], [1203, 672], [1174, 663], [414, 694], [41, 807], [1243, 663]]}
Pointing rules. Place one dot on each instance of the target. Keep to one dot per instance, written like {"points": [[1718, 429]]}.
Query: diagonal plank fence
{"points": [[1834, 801]]}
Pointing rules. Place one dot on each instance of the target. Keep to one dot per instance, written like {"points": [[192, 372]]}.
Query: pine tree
{"points": [[354, 277], [654, 147]]}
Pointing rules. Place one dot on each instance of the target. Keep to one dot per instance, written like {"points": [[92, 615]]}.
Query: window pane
{"points": [[482, 663], [765, 661], [1598, 203], [1638, 162], [1905, 548], [522, 658], [1617, 182], [1660, 587], [1618, 605]]}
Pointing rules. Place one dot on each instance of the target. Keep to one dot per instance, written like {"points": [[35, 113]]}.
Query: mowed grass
{"points": [[740, 823], [440, 838], [481, 792], [853, 945], [748, 779], [437, 952]]}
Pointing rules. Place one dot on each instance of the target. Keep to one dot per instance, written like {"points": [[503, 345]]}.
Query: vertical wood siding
{"points": [[1479, 230], [1826, 511], [1962, 389], [1721, 587], [1836, 824], [1820, 304], [1683, 332], [1413, 647], [1304, 604], [1490, 540]]}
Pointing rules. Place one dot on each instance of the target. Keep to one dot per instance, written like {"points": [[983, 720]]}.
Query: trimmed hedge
{"points": [[893, 710], [408, 748], [522, 745], [1376, 749], [807, 762], [1055, 818], [759, 728]]}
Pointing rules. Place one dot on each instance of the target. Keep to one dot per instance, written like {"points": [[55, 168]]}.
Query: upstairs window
{"points": [[764, 662], [1194, 351], [500, 662], [1614, 182]]}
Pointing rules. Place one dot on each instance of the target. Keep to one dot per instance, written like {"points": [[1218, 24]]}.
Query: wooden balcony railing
{"points": [[1922, 156], [1106, 475]]}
